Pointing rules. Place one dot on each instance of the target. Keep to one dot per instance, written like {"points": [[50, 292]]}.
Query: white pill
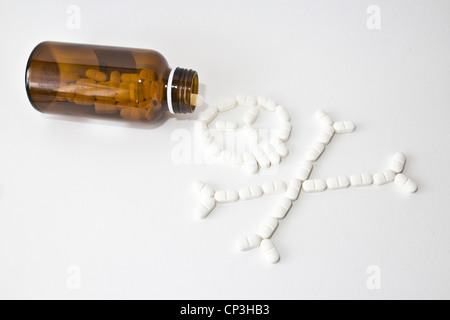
{"points": [[382, 177], [250, 163], [398, 162], [222, 125], [267, 103], [237, 158], [227, 104], [339, 182], [226, 196], [315, 185], [270, 252], [361, 179], [251, 192], [261, 157], [203, 189], [282, 208], [251, 115], [202, 124], [197, 100], [304, 170], [198, 185], [268, 228], [284, 130], [205, 133], [323, 118], [272, 154], [280, 146], [326, 135], [214, 150], [315, 152], [251, 135], [248, 242], [282, 113], [209, 114], [207, 191], [226, 157], [406, 183], [247, 100], [206, 206], [293, 189], [274, 187], [207, 141], [262, 100], [202, 127], [344, 126]]}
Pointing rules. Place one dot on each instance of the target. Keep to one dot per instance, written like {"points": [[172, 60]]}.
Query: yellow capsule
{"points": [[105, 107], [141, 92], [70, 96], [147, 74], [84, 100], [157, 90], [85, 91], [136, 91], [85, 81], [90, 73], [71, 88], [130, 114], [121, 105], [147, 85], [69, 91], [126, 77], [115, 77], [104, 93], [61, 96], [132, 104], [96, 75], [131, 89], [150, 114], [129, 77], [144, 104], [124, 88], [122, 97], [143, 112]]}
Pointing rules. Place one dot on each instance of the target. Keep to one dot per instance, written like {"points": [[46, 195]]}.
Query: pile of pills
{"points": [[132, 96], [270, 154]]}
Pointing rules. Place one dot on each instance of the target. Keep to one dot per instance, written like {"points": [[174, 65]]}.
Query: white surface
{"points": [[107, 202]]}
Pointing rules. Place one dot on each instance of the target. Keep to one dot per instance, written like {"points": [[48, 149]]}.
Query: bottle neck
{"points": [[181, 86]]}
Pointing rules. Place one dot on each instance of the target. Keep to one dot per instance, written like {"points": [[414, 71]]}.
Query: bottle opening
{"points": [[183, 90]]}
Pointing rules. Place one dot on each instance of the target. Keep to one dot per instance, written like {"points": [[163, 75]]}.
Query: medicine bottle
{"points": [[107, 82]]}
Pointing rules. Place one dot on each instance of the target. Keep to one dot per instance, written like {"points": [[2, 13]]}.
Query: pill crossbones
{"points": [[264, 156]]}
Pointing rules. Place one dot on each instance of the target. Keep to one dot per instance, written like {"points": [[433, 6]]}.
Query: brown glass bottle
{"points": [[107, 82]]}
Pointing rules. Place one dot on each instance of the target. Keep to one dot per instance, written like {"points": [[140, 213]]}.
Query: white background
{"points": [[108, 200]]}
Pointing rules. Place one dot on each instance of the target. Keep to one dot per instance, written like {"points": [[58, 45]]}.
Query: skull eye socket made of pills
{"points": [[264, 155]]}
